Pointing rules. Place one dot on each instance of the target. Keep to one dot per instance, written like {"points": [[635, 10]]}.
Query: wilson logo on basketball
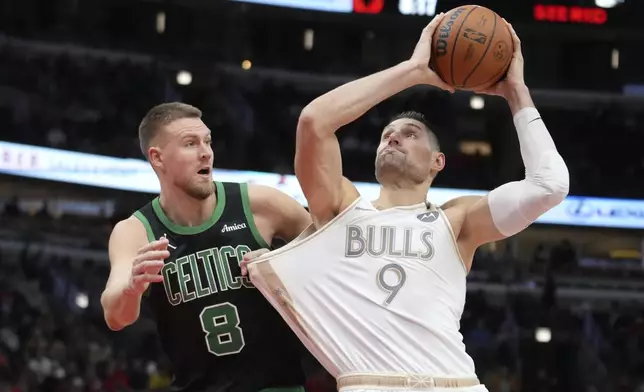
{"points": [[233, 227], [444, 32]]}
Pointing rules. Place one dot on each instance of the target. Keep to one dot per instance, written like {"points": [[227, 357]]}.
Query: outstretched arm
{"points": [[512, 207], [318, 164]]}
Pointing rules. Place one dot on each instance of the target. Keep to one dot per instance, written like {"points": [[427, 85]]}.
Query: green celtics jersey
{"points": [[218, 331]]}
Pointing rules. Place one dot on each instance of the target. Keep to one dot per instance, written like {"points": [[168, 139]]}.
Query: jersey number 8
{"points": [[220, 322], [395, 288]]}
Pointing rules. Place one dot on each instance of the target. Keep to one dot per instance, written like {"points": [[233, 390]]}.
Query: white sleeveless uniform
{"points": [[374, 292]]}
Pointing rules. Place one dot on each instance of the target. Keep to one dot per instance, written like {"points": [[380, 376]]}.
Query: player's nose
{"points": [[394, 139], [206, 153]]}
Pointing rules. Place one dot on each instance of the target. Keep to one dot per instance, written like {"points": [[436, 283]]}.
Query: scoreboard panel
{"points": [[624, 13]]}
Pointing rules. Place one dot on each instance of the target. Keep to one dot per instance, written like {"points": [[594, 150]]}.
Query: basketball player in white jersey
{"points": [[377, 291]]}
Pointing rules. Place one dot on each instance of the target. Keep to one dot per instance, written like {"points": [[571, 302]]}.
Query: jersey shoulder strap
{"points": [[146, 215], [235, 201], [238, 210]]}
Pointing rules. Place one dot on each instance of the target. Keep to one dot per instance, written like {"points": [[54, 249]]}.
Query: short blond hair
{"points": [[160, 116]]}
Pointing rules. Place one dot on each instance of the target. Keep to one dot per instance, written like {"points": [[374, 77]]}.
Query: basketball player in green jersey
{"points": [[182, 252]]}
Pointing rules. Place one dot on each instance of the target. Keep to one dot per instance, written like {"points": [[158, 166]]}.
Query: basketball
{"points": [[471, 48]]}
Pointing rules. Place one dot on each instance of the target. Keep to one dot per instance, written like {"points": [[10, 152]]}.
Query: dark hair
{"points": [[162, 115], [412, 115]]}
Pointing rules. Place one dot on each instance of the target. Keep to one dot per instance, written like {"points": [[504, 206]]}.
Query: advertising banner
{"points": [[137, 175]]}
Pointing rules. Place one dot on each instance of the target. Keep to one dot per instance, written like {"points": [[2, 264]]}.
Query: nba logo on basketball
{"points": [[475, 36]]}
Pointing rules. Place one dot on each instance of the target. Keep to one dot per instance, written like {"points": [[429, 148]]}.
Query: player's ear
{"points": [[438, 161], [155, 158]]}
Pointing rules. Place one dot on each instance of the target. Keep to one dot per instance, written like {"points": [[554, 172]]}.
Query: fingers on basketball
{"points": [[515, 37], [431, 27], [436, 19], [438, 82]]}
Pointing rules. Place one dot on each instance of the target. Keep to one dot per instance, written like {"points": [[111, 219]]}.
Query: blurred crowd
{"points": [[93, 102]]}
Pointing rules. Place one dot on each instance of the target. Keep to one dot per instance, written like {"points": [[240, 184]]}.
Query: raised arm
{"points": [[134, 264], [318, 164], [512, 207]]}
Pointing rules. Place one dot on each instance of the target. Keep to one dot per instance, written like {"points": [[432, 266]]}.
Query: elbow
{"points": [[308, 121], [113, 325], [557, 183], [556, 193], [114, 321], [315, 123]]}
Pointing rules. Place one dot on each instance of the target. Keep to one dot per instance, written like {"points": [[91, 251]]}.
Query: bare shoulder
{"points": [[276, 213], [456, 211], [127, 235], [263, 196], [462, 202], [129, 226], [350, 193]]}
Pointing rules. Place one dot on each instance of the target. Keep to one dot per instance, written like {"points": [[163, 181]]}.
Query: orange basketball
{"points": [[471, 48]]}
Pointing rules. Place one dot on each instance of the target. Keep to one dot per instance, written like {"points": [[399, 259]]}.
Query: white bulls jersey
{"points": [[374, 292]]}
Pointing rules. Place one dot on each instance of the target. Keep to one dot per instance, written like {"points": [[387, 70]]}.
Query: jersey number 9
{"points": [[392, 289]]}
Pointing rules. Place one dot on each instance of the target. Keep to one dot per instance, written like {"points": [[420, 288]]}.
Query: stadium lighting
{"points": [[308, 39], [184, 78], [82, 301], [477, 102], [614, 59], [606, 3], [542, 335], [160, 22]]}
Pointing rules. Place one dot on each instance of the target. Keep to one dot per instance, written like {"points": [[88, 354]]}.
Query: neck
{"points": [[185, 210], [393, 196]]}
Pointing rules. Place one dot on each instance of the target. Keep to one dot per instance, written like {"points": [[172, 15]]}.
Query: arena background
{"points": [[556, 308]]}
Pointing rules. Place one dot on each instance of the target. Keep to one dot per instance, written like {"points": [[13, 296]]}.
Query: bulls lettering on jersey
{"points": [[381, 241]]}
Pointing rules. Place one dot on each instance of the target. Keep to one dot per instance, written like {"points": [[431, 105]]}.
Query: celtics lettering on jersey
{"points": [[218, 274]]}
